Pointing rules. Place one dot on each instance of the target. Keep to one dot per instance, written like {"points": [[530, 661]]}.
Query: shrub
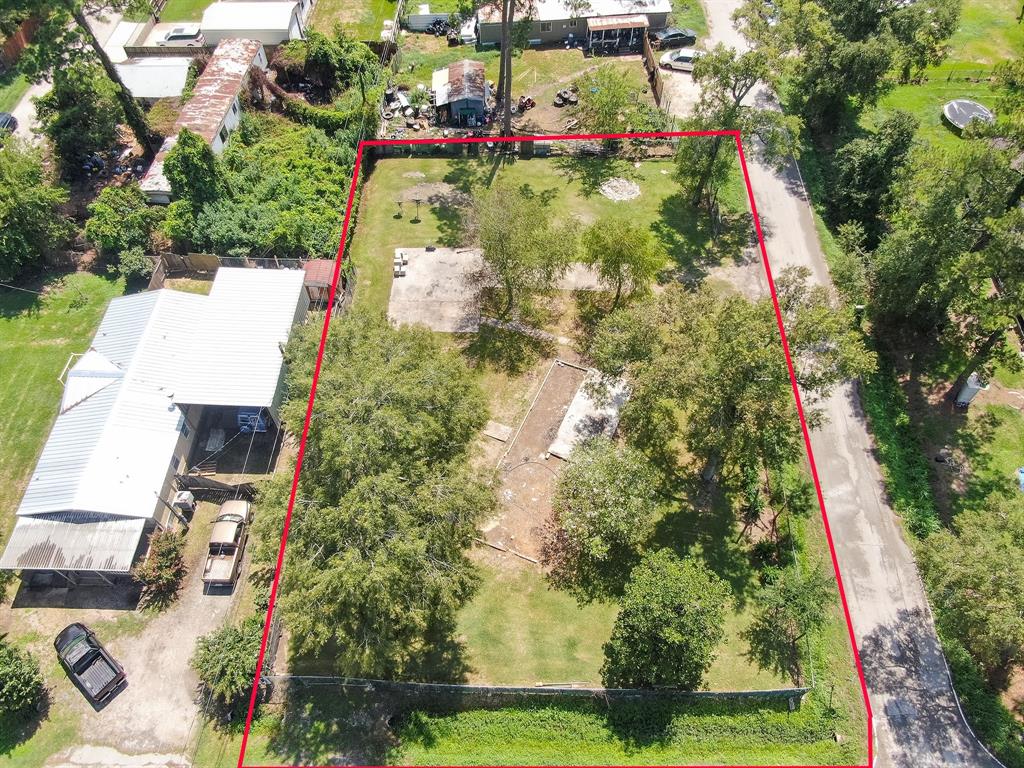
{"points": [[134, 263], [163, 570], [120, 218], [21, 683], [225, 660]]}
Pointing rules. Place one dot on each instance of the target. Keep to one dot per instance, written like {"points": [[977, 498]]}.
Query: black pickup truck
{"points": [[87, 662]]}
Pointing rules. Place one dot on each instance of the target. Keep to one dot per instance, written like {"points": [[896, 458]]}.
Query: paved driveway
{"points": [[916, 719]]}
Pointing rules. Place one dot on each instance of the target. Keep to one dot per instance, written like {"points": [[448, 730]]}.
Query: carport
{"points": [[616, 33]]}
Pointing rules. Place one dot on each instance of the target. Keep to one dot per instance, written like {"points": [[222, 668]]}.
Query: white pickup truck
{"points": [[227, 544]]}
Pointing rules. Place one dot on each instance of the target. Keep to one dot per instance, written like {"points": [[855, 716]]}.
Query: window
{"points": [[545, 26], [175, 463], [572, 22], [234, 107], [224, 134]]}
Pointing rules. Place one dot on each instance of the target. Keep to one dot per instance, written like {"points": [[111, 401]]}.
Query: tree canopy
{"points": [[121, 218], [627, 256], [21, 683], [716, 359], [669, 626], [80, 114], [31, 222], [975, 572], [225, 660], [604, 510], [387, 506], [525, 249]]}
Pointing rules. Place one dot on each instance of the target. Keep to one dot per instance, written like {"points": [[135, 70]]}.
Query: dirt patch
{"points": [[528, 474], [619, 189], [436, 193], [414, 175]]}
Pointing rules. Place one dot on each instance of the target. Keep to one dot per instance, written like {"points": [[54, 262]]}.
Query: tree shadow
{"points": [[346, 727], [772, 651], [470, 174], [508, 351], [16, 729], [591, 172], [701, 523]]}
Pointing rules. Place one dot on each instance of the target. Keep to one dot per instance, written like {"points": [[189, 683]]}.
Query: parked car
{"points": [[187, 35], [681, 60], [87, 662], [8, 123], [670, 37], [227, 544]]}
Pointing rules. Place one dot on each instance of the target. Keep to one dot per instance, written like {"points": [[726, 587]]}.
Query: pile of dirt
{"points": [[619, 189]]}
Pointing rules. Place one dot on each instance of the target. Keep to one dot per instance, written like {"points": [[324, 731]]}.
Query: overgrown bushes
{"points": [[161, 573], [904, 466], [21, 683]]}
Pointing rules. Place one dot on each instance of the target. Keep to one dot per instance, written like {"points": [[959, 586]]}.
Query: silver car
{"points": [[681, 59]]}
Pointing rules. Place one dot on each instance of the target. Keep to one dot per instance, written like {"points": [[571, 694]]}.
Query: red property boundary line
{"points": [[323, 341]]}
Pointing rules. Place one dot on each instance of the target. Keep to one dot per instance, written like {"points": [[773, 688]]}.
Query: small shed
{"points": [[461, 93], [152, 78], [319, 276]]}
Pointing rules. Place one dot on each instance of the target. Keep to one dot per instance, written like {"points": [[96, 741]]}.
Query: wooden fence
{"points": [[654, 75]]}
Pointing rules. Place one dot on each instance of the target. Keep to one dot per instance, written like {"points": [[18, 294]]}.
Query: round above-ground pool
{"points": [[960, 113]]}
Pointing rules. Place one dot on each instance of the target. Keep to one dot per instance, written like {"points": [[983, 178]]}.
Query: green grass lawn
{"points": [[12, 88], [362, 19], [573, 184], [184, 10], [988, 33], [37, 334], [316, 727]]}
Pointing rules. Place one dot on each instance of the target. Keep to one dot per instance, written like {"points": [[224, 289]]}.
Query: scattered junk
{"points": [[387, 32], [401, 260], [945, 456], [461, 94], [969, 390], [619, 189], [567, 98], [524, 103]]}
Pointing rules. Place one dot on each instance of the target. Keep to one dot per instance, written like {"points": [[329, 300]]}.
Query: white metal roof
{"points": [[241, 16], [109, 448], [239, 335], [556, 10], [73, 541], [156, 77]]}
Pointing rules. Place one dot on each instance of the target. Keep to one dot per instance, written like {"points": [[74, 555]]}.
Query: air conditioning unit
{"points": [[184, 501]]}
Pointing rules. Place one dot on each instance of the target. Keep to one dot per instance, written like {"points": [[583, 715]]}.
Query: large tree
{"points": [[627, 256], [120, 218], [975, 573], [31, 222], [669, 627], [950, 236], [864, 171], [717, 360], [525, 249], [386, 506], [603, 511], [65, 35], [80, 114], [728, 79]]}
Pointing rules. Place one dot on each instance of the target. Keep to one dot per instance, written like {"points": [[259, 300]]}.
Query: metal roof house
{"points": [[129, 412], [605, 24], [461, 92], [214, 110]]}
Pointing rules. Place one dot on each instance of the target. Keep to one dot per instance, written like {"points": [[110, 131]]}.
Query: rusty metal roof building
{"points": [[216, 89], [459, 81]]}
